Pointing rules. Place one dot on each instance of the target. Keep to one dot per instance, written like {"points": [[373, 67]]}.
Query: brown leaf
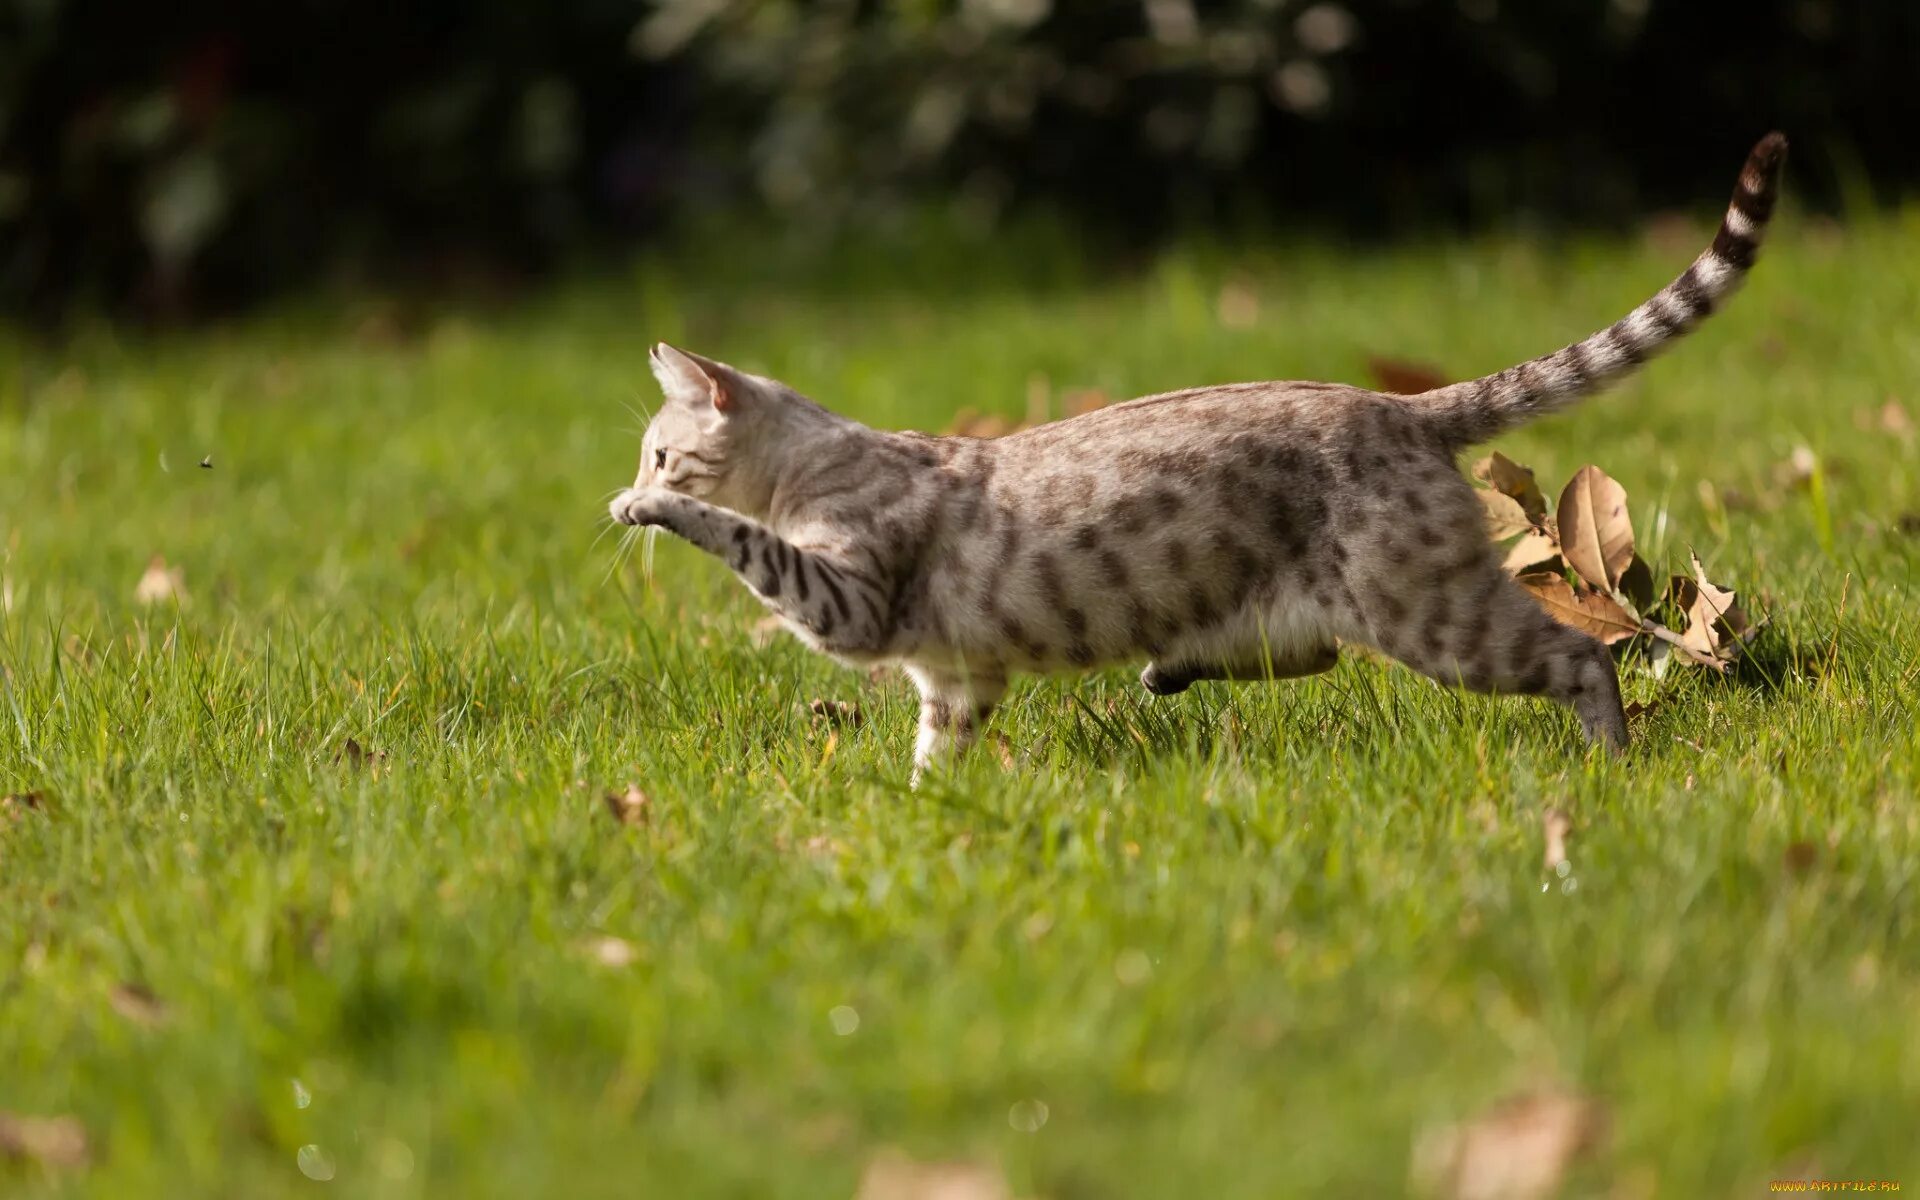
{"points": [[1517, 1150], [1078, 402], [610, 951], [358, 757], [18, 805], [891, 1175], [1555, 825], [49, 1141], [1403, 377], [137, 1003], [628, 807], [1534, 552], [839, 714], [1894, 420], [1502, 474], [1504, 516], [1588, 611], [1716, 624], [1799, 857], [160, 582], [1596, 534], [1636, 584], [1238, 306], [1636, 708]]}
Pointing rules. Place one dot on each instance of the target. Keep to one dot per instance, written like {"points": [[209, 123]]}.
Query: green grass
{"points": [[1246, 942]]}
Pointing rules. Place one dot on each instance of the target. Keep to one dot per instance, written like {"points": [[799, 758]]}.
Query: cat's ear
{"points": [[695, 380]]}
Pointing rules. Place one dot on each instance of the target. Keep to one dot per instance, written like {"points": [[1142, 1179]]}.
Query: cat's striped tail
{"points": [[1479, 409]]}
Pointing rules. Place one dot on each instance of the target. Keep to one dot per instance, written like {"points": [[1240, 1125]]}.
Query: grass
{"points": [[1247, 942]]}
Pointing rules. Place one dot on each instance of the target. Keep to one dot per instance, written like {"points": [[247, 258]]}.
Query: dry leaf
{"points": [[1505, 518], [1590, 612], [1402, 377], [1894, 420], [49, 1141], [1717, 627], [891, 1175], [1596, 535], [610, 951], [836, 714], [765, 630], [1534, 552], [18, 805], [1238, 306], [1517, 1150], [160, 582], [1080, 401], [1555, 825], [1798, 858], [138, 1004], [1636, 585], [628, 807], [1502, 474], [357, 757], [1636, 708]]}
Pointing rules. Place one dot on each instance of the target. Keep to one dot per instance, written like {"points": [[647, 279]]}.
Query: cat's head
{"points": [[716, 432]]}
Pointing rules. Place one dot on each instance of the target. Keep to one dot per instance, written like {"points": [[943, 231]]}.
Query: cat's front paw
{"points": [[641, 506]]}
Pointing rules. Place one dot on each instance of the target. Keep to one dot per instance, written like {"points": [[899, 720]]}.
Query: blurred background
{"points": [[175, 161]]}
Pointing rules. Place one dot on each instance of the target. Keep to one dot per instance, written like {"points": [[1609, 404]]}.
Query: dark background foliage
{"points": [[174, 159]]}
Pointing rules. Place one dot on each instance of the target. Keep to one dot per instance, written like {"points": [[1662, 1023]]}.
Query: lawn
{"points": [[321, 856]]}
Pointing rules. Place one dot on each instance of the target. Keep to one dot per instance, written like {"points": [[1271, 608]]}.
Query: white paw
{"points": [[639, 506]]}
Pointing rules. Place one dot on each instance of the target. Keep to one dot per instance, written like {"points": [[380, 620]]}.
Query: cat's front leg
{"points": [[844, 608], [954, 707]]}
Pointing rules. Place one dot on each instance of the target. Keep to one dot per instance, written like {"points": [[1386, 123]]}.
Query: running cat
{"points": [[1240, 531]]}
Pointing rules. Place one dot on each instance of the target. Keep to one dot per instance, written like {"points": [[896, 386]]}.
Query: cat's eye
{"points": [[659, 460]]}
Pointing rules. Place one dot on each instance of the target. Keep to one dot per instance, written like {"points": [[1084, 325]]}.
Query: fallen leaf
{"points": [[1797, 471], [1517, 1150], [1590, 612], [1534, 552], [1894, 420], [1002, 748], [891, 1175], [49, 1141], [206, 464], [1078, 402], [1403, 377], [838, 714], [358, 757], [160, 582], [1716, 625], [1596, 534], [1504, 516], [1638, 709], [1555, 825], [138, 1004], [1798, 858], [610, 951], [765, 630], [1238, 306], [628, 807], [18, 805], [1502, 474], [1636, 584]]}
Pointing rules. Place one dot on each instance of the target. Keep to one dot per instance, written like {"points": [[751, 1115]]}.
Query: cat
{"points": [[1239, 531]]}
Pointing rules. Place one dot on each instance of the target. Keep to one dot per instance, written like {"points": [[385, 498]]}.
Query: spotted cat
{"points": [[1240, 531]]}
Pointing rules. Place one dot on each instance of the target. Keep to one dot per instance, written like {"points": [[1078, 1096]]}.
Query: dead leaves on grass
{"points": [[159, 583], [628, 807], [1579, 563], [892, 1175], [1519, 1149], [49, 1141]]}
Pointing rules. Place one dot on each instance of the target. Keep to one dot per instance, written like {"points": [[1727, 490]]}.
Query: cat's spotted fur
{"points": [[1237, 531]]}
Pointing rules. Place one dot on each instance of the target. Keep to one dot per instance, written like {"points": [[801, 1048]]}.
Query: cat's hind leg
{"points": [[1480, 630], [954, 707], [1178, 674]]}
